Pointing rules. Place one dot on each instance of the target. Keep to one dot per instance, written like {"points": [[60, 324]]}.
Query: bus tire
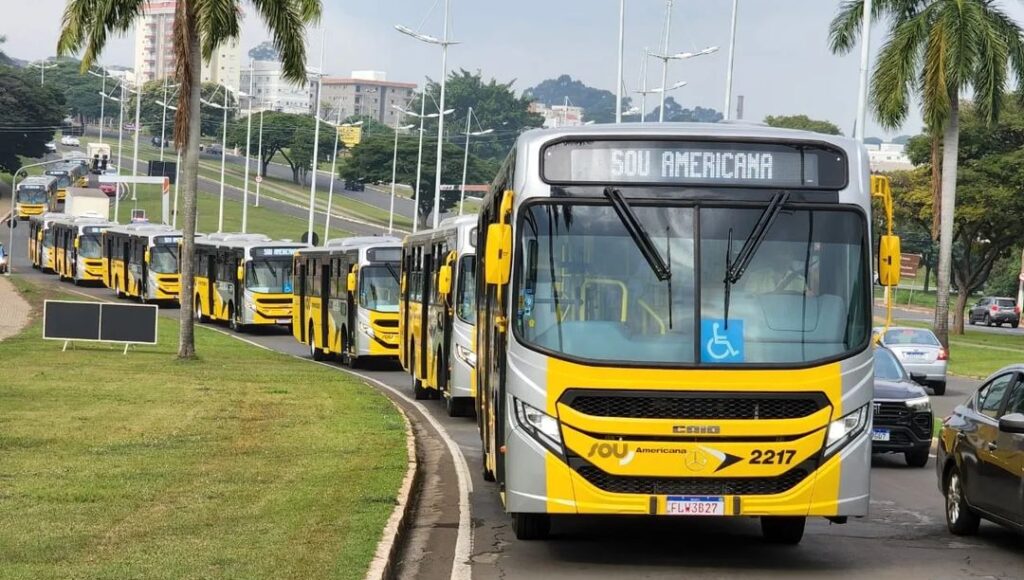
{"points": [[457, 406], [785, 530], [419, 393], [531, 526], [117, 288], [197, 310], [314, 352]]}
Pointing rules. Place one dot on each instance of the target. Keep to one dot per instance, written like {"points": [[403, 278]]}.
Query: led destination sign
{"points": [[694, 163]]}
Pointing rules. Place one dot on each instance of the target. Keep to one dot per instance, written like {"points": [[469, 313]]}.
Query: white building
{"points": [[558, 115], [367, 93], [888, 157], [154, 48], [272, 93]]}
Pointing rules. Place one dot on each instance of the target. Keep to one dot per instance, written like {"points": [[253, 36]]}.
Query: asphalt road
{"points": [[904, 537], [922, 315]]}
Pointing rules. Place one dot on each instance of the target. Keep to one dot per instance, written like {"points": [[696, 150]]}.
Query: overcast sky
{"points": [[782, 62]]}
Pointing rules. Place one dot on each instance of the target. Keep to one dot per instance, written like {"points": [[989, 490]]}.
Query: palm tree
{"points": [[936, 50], [199, 27]]}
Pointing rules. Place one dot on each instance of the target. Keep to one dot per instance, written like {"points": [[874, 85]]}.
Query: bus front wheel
{"points": [[419, 392], [531, 526], [314, 352], [787, 530]]}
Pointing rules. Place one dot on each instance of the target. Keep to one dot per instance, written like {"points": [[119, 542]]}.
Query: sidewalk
{"points": [[14, 311]]}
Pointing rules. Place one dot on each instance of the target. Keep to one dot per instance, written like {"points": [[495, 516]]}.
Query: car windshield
{"points": [[585, 290], [465, 299], [269, 276], [910, 336], [378, 287], [1006, 303], [89, 246], [887, 368], [34, 195], [163, 259]]}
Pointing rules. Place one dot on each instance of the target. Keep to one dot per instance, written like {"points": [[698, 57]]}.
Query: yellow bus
{"points": [[77, 250], [243, 279], [675, 320], [437, 331], [35, 196], [71, 173], [141, 261], [40, 241], [346, 299]]}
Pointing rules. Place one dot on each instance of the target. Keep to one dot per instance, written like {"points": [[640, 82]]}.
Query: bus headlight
{"points": [[845, 429], [366, 329], [920, 404], [467, 356], [540, 425]]}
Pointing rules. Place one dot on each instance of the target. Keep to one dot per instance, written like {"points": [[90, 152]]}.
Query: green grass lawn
{"points": [[261, 220], [978, 354], [242, 464]]}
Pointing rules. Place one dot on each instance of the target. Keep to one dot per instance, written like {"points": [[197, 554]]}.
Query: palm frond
{"points": [[990, 73], [286, 20], [844, 30], [87, 24], [895, 73], [935, 90], [1012, 34], [218, 22]]}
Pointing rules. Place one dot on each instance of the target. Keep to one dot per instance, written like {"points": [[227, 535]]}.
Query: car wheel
{"points": [[783, 529], [939, 387], [1015, 324], [959, 518], [970, 319], [987, 320], [531, 526], [917, 457]]}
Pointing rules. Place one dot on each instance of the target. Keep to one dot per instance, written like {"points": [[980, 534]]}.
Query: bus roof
{"points": [[44, 180], [145, 230], [459, 227], [245, 241], [359, 241], [48, 217], [84, 220]]}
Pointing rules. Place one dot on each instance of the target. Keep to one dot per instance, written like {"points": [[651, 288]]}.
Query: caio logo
{"points": [[697, 429]]}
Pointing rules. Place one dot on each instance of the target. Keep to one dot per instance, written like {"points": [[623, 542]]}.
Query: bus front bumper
{"points": [[268, 310]]}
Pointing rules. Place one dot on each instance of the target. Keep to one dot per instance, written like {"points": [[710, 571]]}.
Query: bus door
{"points": [[421, 340], [126, 252], [447, 309], [211, 282], [300, 291], [325, 302], [406, 290], [350, 302], [108, 252]]}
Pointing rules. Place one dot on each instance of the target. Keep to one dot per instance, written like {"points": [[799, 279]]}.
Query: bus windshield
{"points": [[585, 291], [378, 287], [63, 179], [89, 246], [269, 276], [33, 195], [163, 259]]}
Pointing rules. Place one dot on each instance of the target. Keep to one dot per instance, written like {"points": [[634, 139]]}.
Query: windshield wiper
{"points": [[636, 230], [391, 270], [734, 269]]}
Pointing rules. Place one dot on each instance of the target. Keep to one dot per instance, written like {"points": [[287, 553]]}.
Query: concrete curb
{"points": [[395, 532]]}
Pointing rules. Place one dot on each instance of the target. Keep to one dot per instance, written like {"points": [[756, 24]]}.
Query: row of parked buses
{"points": [[38, 194], [647, 320]]}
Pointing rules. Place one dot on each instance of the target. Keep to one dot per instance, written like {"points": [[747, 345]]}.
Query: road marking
{"points": [[464, 539]]}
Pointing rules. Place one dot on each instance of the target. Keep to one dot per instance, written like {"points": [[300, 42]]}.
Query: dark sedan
{"points": [[980, 456], [902, 411]]}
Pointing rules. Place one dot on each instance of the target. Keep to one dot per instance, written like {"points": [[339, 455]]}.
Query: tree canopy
{"points": [[802, 122], [210, 118], [285, 133], [29, 116], [264, 51], [598, 104], [675, 113]]}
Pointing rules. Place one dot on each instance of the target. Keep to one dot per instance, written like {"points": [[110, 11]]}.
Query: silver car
{"points": [[920, 352]]}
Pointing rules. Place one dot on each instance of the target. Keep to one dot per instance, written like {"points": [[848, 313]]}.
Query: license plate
{"points": [[879, 434], [686, 505], [284, 320]]}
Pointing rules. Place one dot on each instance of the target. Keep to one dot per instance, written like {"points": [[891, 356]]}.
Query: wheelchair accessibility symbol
{"points": [[721, 345]]}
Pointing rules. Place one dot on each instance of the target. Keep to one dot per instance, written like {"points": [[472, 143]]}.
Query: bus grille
{"points": [[386, 323], [286, 301], [692, 485], [700, 405]]}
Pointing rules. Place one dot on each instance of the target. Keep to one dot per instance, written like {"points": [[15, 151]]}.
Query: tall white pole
{"points": [[138, 131], [664, 59], [177, 178], [643, 85], [419, 164], [316, 136], [334, 173], [120, 139], [440, 116], [394, 175], [223, 161], [728, 71], [248, 161], [103, 102], [465, 161], [618, 84], [865, 55], [163, 122], [259, 160]]}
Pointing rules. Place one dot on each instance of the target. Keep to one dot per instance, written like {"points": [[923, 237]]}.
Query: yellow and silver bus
{"points": [[41, 242], [36, 195], [71, 173], [78, 256], [141, 261], [676, 320], [437, 312], [346, 299], [243, 279]]}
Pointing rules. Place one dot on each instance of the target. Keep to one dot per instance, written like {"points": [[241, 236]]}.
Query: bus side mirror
{"points": [[889, 261], [76, 243], [403, 284], [240, 273], [444, 281], [350, 282], [499, 253], [145, 256]]}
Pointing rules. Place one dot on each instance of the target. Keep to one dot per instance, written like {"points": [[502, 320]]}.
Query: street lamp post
{"points": [[419, 157], [103, 96], [120, 134], [618, 84], [42, 66], [664, 62], [394, 176], [316, 137], [444, 42], [177, 166], [465, 159], [865, 57], [334, 170], [732, 50], [138, 130], [248, 161], [223, 153]]}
